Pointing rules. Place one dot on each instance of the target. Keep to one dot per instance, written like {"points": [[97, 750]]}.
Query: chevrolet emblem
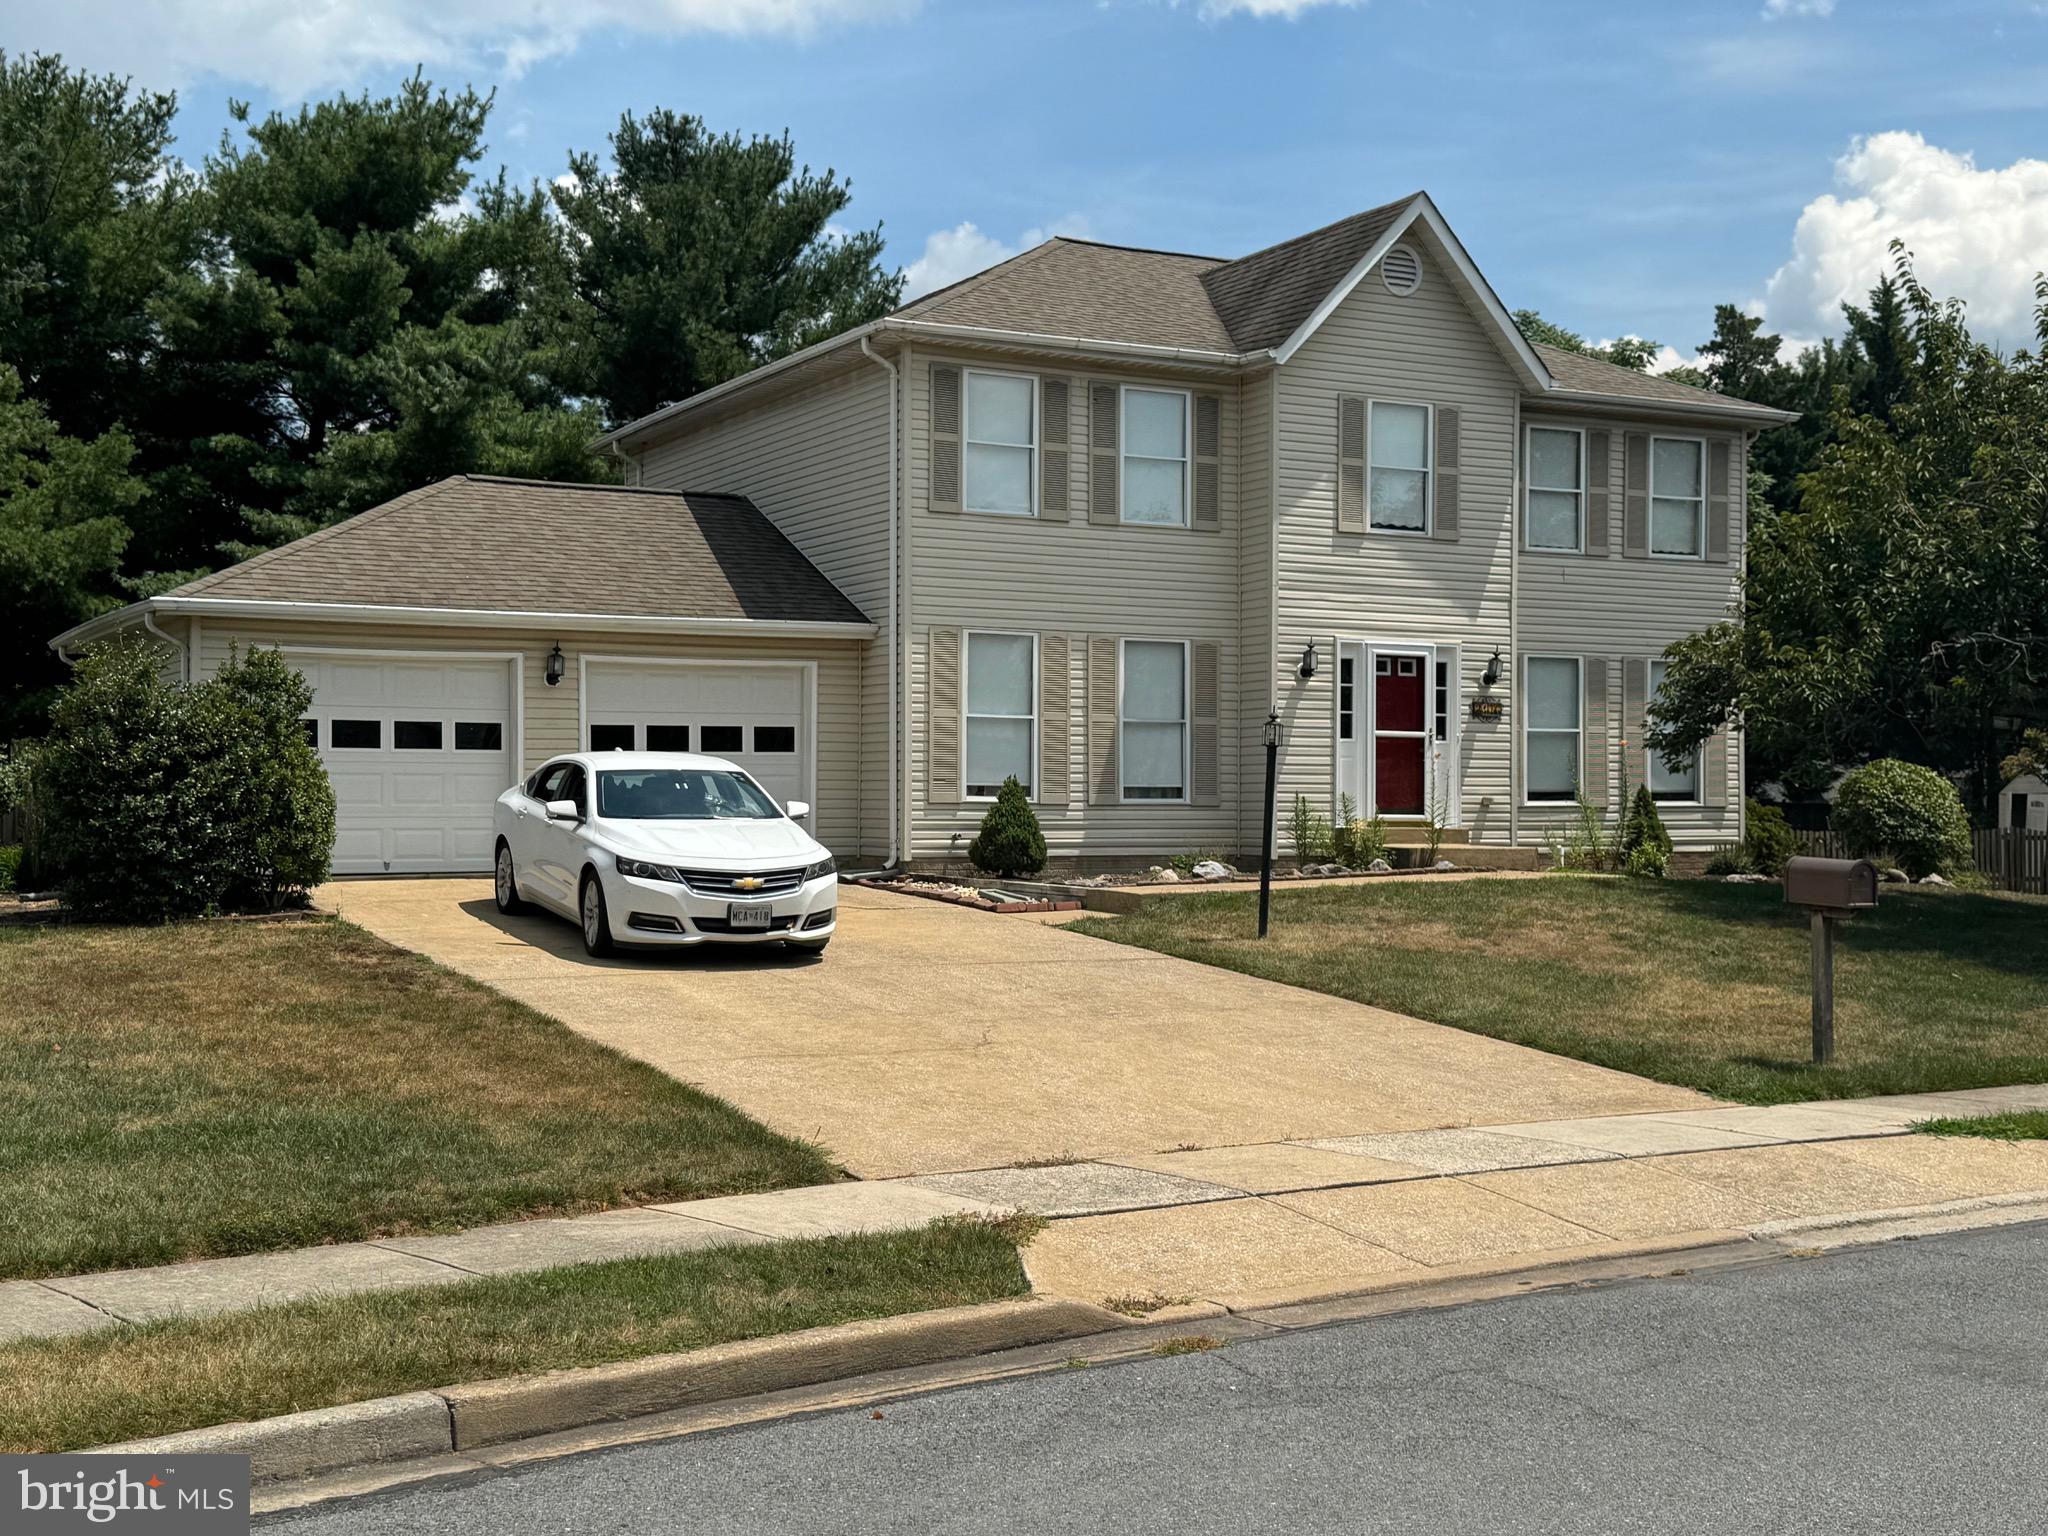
{"points": [[748, 883]]}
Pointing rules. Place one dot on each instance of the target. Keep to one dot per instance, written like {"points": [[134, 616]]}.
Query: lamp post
{"points": [[1272, 792]]}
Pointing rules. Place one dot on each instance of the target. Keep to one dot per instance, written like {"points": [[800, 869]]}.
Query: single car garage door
{"points": [[751, 714], [418, 752]]}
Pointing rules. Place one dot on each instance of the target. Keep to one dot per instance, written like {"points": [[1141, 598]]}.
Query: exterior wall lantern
{"points": [[1492, 675], [556, 665], [1307, 669]]}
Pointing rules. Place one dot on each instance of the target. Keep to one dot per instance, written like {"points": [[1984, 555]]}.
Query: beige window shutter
{"points": [[1205, 723], [1444, 524], [942, 719], [1208, 462], [1103, 788], [1635, 707], [1055, 765], [1595, 775], [1714, 770], [1102, 454], [1720, 497], [1599, 467], [944, 491], [1635, 496], [1054, 484], [1350, 464]]}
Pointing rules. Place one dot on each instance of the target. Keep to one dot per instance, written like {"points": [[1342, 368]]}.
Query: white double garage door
{"points": [[418, 749]]}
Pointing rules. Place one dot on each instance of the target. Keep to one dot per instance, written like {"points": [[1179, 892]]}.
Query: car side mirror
{"points": [[798, 809], [563, 810]]}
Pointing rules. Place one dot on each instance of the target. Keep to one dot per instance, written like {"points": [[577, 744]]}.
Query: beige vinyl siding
{"points": [[1033, 575], [816, 462], [1425, 347], [545, 720], [1623, 607], [1255, 665]]}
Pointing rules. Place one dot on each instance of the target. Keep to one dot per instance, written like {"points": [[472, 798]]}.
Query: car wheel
{"points": [[507, 893], [597, 922]]}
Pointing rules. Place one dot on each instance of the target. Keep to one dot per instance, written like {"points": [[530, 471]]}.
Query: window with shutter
{"points": [[1599, 448], [1055, 768], [1594, 772], [1556, 487], [1350, 464], [1444, 523], [1721, 493], [942, 718], [1055, 482], [1397, 459], [1205, 722], [1552, 703], [1208, 461], [999, 431], [1102, 716], [1635, 693], [1154, 489], [1680, 785], [1635, 496], [943, 491], [1002, 713], [1102, 454], [1152, 736]]}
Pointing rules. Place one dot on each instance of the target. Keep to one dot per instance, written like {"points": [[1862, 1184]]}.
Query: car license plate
{"points": [[749, 914]]}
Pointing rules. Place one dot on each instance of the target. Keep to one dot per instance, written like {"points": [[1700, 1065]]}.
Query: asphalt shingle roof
{"points": [[1575, 371], [529, 546]]}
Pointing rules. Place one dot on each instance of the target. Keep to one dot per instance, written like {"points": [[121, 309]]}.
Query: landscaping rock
{"points": [[1166, 876], [1894, 877], [1746, 879], [1443, 864], [1379, 867], [1210, 869], [1932, 880]]}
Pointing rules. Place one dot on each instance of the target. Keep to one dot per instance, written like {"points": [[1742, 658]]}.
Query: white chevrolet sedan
{"points": [[663, 848]]}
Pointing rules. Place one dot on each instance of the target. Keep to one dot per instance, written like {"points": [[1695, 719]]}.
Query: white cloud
{"points": [[296, 46], [965, 249], [1975, 234], [1290, 10], [1775, 10]]}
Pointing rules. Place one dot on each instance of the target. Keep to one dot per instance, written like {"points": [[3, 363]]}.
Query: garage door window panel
{"points": [[355, 735], [724, 738], [479, 736], [1002, 712], [611, 738], [775, 738], [417, 735], [668, 738]]}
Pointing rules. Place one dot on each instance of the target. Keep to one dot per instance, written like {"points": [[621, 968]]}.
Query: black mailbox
{"points": [[1831, 885]]}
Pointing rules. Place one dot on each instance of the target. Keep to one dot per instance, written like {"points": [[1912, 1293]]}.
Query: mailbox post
{"points": [[1829, 889]]}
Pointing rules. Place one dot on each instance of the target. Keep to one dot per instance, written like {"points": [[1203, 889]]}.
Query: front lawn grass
{"points": [[1690, 982], [155, 1379], [2020, 1125], [205, 1089]]}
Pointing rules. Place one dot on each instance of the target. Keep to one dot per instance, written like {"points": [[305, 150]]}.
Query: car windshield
{"points": [[681, 794]]}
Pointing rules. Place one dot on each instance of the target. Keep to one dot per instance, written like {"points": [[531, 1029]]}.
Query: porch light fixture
{"points": [[1492, 675], [556, 665], [1307, 669]]}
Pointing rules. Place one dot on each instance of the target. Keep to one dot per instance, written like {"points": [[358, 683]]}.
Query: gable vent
{"points": [[1401, 270]]}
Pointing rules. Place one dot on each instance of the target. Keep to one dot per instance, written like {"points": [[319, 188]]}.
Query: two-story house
{"points": [[1086, 519]]}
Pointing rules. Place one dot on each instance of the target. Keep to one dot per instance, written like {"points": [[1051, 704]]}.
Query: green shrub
{"points": [[1642, 827], [1901, 811], [1648, 860], [161, 799], [10, 865], [1009, 843], [1584, 844], [1731, 860], [1769, 840]]}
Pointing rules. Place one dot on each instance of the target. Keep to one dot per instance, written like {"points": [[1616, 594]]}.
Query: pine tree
{"points": [[1010, 842]]}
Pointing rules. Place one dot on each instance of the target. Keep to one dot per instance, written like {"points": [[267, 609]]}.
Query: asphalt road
{"points": [[1901, 1388]]}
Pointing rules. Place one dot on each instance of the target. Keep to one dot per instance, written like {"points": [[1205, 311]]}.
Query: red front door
{"points": [[1399, 737]]}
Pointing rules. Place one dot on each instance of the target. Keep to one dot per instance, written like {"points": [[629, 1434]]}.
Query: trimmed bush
{"points": [[1642, 827], [1648, 860], [1730, 861], [1904, 812], [1009, 842], [1768, 842], [161, 799]]}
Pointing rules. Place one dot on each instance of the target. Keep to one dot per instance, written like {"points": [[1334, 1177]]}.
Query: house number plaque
{"points": [[1487, 709]]}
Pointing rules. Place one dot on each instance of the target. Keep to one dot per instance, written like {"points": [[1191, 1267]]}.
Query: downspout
{"points": [[184, 656], [895, 603], [1514, 633]]}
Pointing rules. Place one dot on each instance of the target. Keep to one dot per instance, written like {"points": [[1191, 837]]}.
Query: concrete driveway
{"points": [[932, 1038]]}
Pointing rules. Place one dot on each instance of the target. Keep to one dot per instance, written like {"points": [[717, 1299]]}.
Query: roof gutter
{"points": [[462, 618], [1761, 416]]}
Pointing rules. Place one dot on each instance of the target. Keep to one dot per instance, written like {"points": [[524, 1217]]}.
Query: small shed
{"points": [[2023, 805]]}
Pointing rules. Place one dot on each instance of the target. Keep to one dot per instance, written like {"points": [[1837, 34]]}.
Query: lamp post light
{"points": [[1272, 793]]}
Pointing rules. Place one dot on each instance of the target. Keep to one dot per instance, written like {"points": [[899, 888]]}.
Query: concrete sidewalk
{"points": [[1226, 1226]]}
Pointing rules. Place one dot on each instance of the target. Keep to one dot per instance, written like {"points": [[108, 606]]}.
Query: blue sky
{"points": [[1620, 167]]}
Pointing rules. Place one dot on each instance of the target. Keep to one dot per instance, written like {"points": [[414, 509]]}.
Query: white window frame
{"points": [[967, 437], [1530, 487], [1428, 410], [1651, 759], [1578, 731], [1187, 718], [1700, 504], [966, 715], [1124, 456]]}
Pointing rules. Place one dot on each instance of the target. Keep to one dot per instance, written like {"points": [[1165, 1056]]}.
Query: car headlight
{"points": [[821, 869], [640, 869]]}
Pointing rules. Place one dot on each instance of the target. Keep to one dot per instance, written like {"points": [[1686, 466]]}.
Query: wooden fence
{"points": [[2012, 861]]}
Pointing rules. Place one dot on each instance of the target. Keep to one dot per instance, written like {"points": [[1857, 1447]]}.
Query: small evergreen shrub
{"points": [[1903, 811], [1730, 861], [1009, 843], [159, 800], [1648, 861], [1769, 841], [1642, 827]]}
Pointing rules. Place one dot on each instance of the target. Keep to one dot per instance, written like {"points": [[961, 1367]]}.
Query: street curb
{"points": [[416, 1425]]}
